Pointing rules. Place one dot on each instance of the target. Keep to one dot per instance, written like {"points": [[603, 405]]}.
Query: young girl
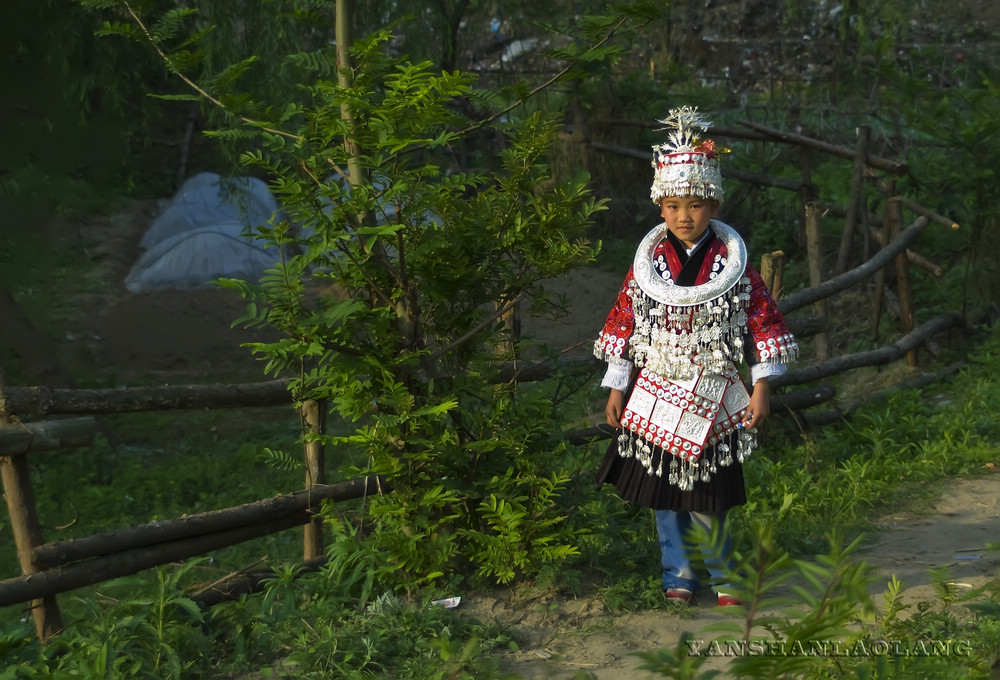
{"points": [[691, 309]]}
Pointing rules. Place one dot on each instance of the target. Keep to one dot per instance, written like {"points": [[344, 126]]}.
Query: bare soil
{"points": [[181, 336]]}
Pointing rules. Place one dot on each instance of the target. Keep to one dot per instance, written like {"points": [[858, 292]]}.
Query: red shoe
{"points": [[682, 595], [729, 601]]}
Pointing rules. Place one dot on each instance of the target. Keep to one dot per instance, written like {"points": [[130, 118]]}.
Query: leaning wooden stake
{"points": [[314, 415], [27, 535]]}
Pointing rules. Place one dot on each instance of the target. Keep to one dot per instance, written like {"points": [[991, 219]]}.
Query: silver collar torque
{"points": [[653, 285]]}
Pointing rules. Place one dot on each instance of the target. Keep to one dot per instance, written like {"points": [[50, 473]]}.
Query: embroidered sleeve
{"points": [[772, 341], [613, 339]]}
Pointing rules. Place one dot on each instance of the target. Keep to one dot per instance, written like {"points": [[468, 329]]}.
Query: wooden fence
{"points": [[56, 567]]}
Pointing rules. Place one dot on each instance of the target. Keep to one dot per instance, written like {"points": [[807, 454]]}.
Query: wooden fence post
{"points": [[314, 415], [814, 252], [772, 270], [27, 535], [894, 220], [857, 198]]}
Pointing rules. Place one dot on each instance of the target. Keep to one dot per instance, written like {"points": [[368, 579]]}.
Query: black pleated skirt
{"points": [[724, 490]]}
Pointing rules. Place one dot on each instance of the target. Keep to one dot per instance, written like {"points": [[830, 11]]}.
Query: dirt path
{"points": [[560, 639]]}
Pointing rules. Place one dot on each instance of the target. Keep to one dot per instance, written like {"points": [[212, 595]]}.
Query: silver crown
{"points": [[686, 165]]}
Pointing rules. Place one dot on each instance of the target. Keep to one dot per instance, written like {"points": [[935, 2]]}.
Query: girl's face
{"points": [[687, 217]]}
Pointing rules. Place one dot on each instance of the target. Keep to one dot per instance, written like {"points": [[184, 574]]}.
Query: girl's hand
{"points": [[615, 406], [760, 404]]}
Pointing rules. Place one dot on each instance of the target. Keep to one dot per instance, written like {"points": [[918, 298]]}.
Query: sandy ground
{"points": [[170, 336]]}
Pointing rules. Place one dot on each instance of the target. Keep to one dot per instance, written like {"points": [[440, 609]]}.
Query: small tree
{"points": [[399, 259]]}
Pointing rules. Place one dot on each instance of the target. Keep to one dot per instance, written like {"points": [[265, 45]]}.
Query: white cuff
{"points": [[758, 371], [618, 374]]}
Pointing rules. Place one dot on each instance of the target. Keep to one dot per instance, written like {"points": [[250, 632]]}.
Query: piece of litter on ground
{"points": [[544, 655], [968, 557], [962, 585], [448, 602]]}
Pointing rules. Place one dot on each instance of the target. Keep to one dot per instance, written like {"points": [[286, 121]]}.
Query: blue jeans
{"points": [[672, 527]]}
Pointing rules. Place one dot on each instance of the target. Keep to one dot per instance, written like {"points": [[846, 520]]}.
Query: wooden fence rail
{"points": [[80, 562]]}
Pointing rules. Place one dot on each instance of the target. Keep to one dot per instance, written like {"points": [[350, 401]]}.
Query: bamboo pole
{"points": [[314, 417], [870, 225]]}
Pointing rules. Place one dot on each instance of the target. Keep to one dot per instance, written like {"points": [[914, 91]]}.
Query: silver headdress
{"points": [[686, 165]]}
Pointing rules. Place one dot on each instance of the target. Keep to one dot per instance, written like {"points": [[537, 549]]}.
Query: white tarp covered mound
{"points": [[206, 233], [194, 258]]}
